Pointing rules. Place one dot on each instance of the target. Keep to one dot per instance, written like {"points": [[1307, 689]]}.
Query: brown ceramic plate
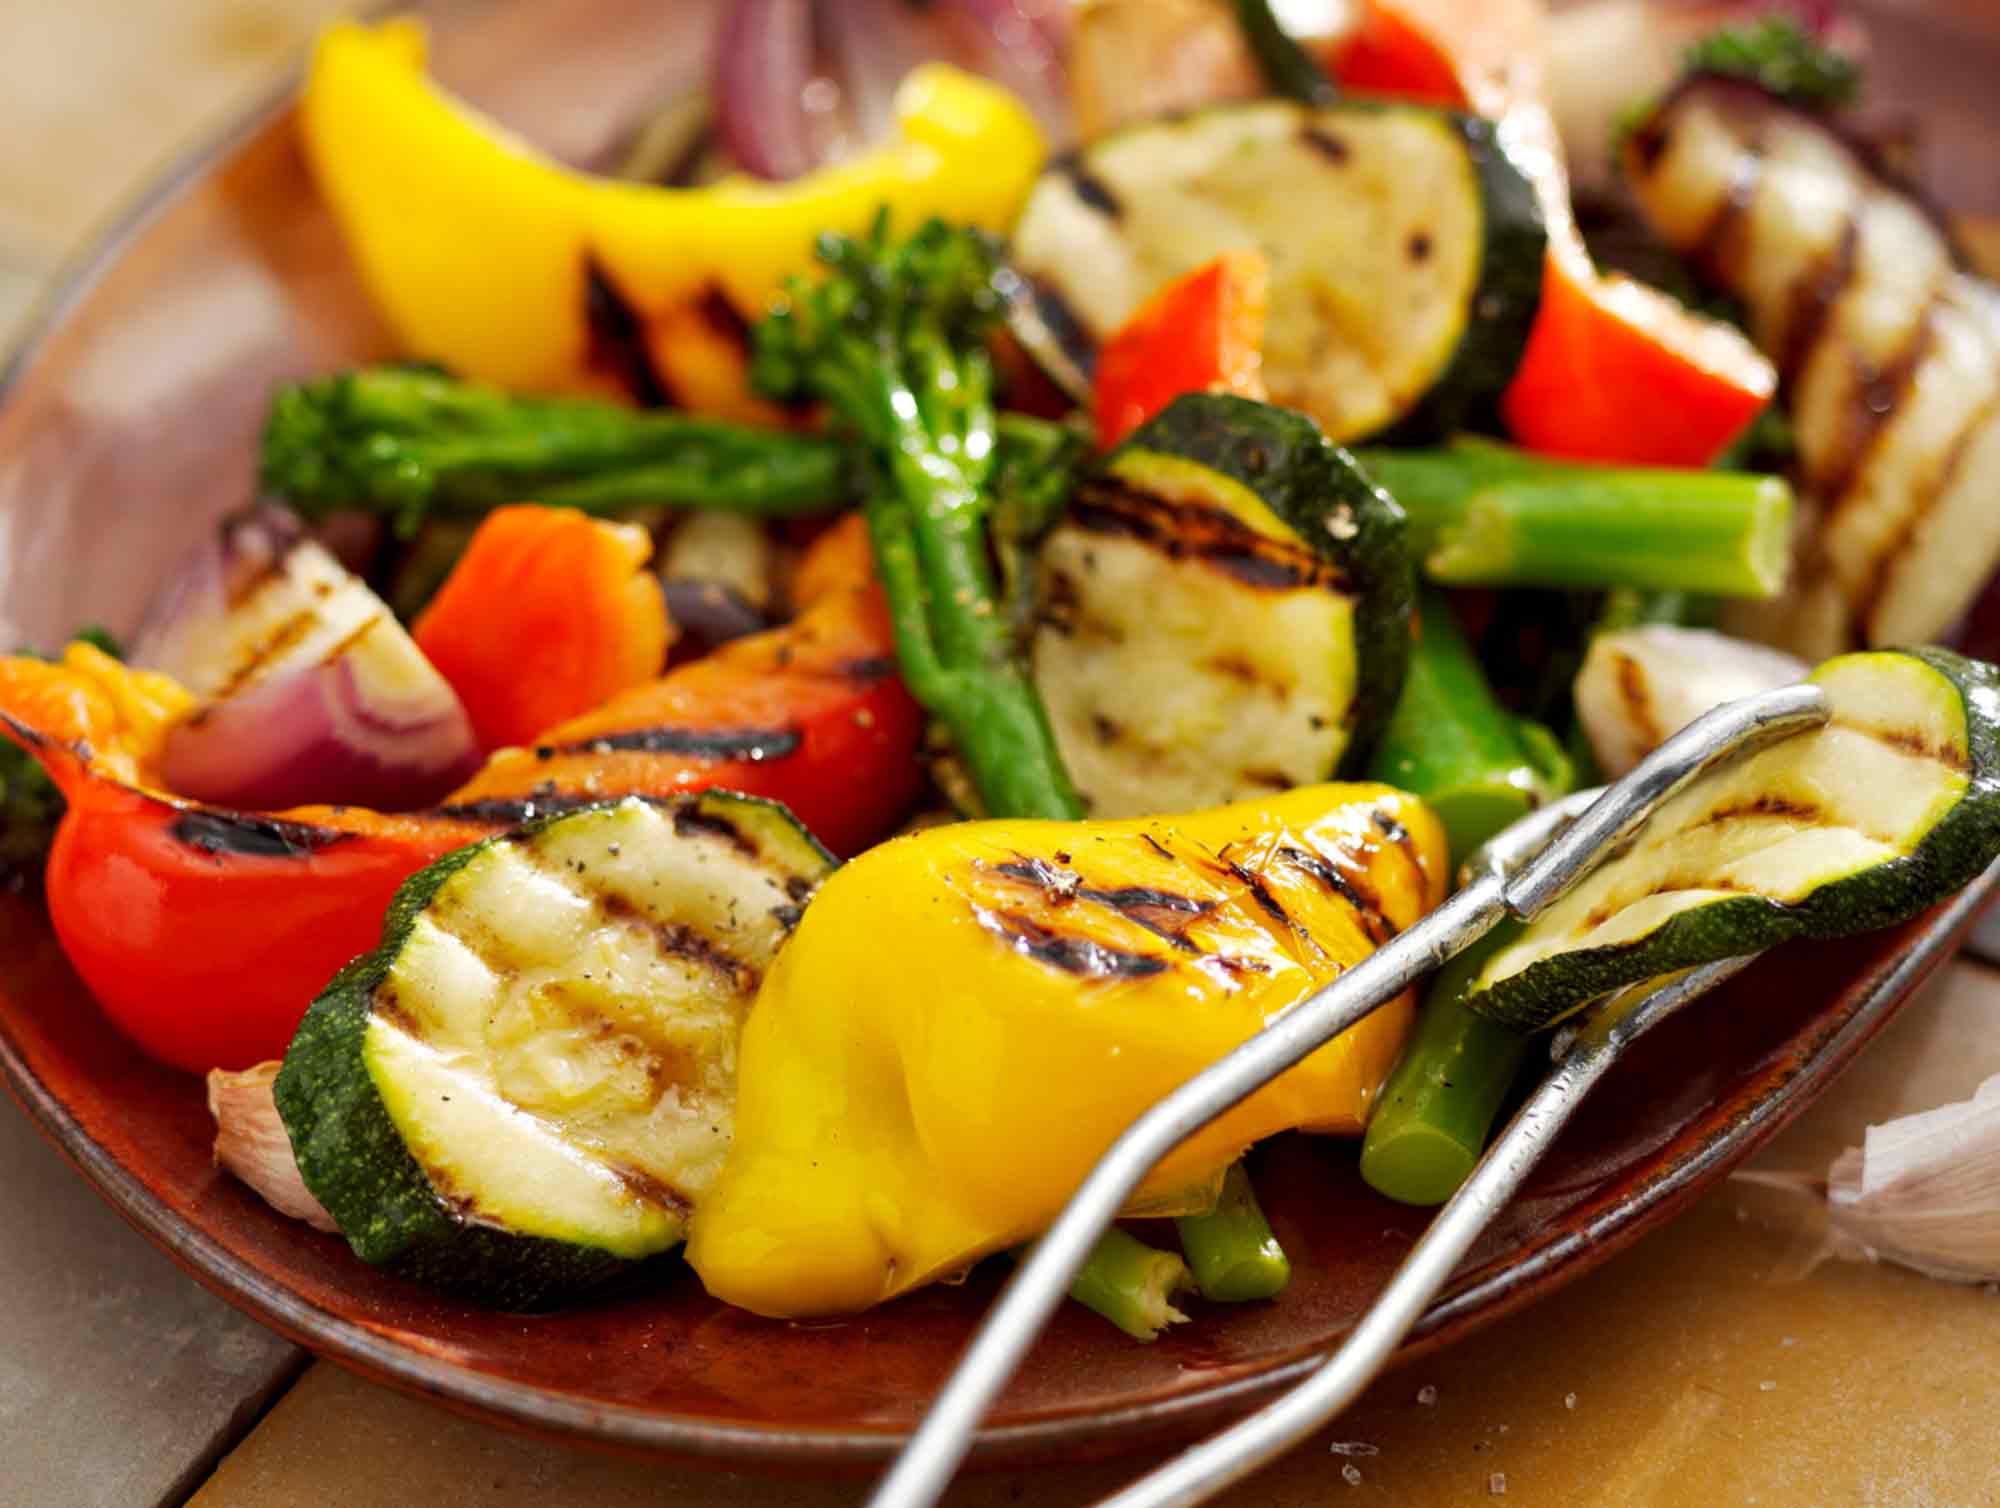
{"points": [[128, 427]]}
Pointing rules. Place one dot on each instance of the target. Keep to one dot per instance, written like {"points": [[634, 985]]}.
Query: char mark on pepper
{"points": [[753, 744], [236, 835], [618, 340], [1073, 955]]}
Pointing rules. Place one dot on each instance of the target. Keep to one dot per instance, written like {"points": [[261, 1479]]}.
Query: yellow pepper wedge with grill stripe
{"points": [[967, 1016], [479, 251]]}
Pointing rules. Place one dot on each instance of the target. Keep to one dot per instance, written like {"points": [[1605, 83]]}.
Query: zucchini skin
{"points": [[1466, 394], [353, 1159], [352, 1156], [1464, 390], [1322, 493], [1954, 852]]}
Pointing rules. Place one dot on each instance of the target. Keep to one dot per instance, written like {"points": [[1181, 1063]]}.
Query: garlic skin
{"points": [[251, 1142], [1923, 1192]]}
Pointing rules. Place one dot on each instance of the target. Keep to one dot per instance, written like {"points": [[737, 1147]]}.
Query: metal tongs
{"points": [[1520, 873]]}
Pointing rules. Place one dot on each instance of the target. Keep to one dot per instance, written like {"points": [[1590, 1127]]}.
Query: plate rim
{"points": [[537, 1409]]}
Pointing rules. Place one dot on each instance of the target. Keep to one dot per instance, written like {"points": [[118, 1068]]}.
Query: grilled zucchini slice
{"points": [[1889, 352], [1405, 251], [532, 1081], [1885, 810], [1223, 613]]}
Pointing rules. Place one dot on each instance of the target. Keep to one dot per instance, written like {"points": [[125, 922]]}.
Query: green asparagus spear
{"points": [[1480, 769], [1483, 514], [1436, 1111], [1232, 1249], [410, 441], [1132, 1284], [1451, 743]]}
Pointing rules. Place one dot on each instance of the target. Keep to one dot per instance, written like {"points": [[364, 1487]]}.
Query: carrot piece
{"points": [[1203, 332], [549, 613]]}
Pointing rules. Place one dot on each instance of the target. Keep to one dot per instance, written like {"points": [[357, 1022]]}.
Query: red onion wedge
{"points": [[312, 692], [763, 63]]}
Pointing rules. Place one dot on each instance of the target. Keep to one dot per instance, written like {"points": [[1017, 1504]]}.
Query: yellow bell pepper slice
{"points": [[478, 250], [969, 1015]]}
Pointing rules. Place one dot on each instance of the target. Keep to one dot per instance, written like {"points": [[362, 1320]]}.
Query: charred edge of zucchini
{"points": [[353, 1157], [1320, 491], [1508, 295], [1953, 853]]}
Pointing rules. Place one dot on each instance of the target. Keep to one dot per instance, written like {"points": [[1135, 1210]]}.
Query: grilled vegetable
{"points": [[1405, 250], [1093, 966], [1201, 333], [894, 339], [1483, 514], [1890, 807], [415, 444], [1640, 686], [1436, 1110], [548, 615], [1452, 744], [416, 180], [530, 1083], [311, 689], [1890, 354], [1224, 612], [148, 892]]}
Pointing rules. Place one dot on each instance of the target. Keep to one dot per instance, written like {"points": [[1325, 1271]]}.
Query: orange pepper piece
{"points": [[549, 613]]}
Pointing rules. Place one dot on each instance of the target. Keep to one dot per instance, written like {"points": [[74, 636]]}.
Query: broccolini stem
{"points": [[1132, 1284], [410, 442]]}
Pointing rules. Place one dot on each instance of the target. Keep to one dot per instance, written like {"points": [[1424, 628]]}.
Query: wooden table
{"points": [[1701, 1368]]}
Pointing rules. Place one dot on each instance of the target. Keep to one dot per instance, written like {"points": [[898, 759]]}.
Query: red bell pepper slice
{"points": [[1613, 371], [204, 934], [1201, 333]]}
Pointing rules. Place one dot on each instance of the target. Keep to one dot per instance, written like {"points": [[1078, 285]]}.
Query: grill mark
{"points": [[1266, 902], [1158, 847], [1929, 495], [387, 1003], [1324, 143], [647, 1188], [1184, 531], [545, 801], [1065, 326], [674, 939], [616, 344], [288, 633], [752, 744], [1366, 904], [1911, 743], [690, 820], [1094, 191], [1399, 835], [1717, 245], [238, 835], [1876, 398], [867, 668], [1163, 913], [1762, 806], [1812, 300], [1638, 700], [1073, 955]]}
